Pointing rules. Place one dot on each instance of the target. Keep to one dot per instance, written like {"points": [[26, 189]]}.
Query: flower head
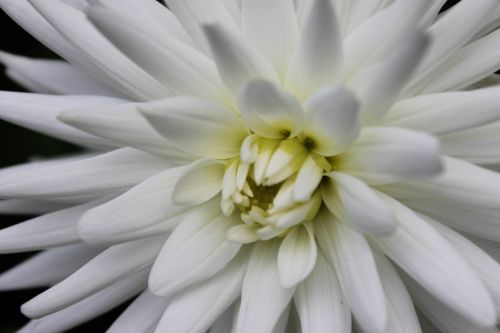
{"points": [[259, 166]]}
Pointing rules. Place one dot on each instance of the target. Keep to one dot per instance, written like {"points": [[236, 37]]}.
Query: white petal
{"points": [[389, 154], [333, 122], [53, 77], [145, 210], [29, 207], [402, 314], [320, 303], [199, 183], [263, 298], [429, 259], [270, 112], [123, 125], [237, 60], [464, 193], [195, 251], [46, 231], [198, 126], [142, 315], [319, 55], [224, 323], [47, 268], [114, 65], [195, 309], [353, 202], [448, 112], [297, 255], [90, 307], [358, 11], [308, 179], [379, 85], [350, 254], [90, 177], [39, 113], [107, 268], [272, 27]]}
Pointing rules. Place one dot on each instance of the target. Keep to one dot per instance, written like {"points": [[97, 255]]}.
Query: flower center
{"points": [[273, 185]]}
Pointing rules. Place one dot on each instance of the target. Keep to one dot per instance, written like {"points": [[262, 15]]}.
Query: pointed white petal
{"points": [[53, 77], [47, 268], [39, 113], [263, 298], [195, 251], [107, 268], [270, 112], [358, 11], [464, 193], [114, 65], [428, 258], [91, 177], [272, 27], [402, 315], [198, 126], [237, 60], [353, 202], [297, 255], [123, 125], [142, 316], [349, 252], [384, 155], [199, 183], [333, 122], [195, 309], [90, 307], [448, 112], [319, 55], [320, 303]]}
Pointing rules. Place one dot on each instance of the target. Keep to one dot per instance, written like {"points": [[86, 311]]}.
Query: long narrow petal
{"points": [[428, 258], [142, 316], [333, 122], [195, 309], [29, 207], [263, 298], [270, 112], [90, 177], [144, 210], [196, 250], [47, 268], [447, 112], [353, 202], [198, 126], [464, 193], [320, 303], [90, 307], [349, 252], [107, 268], [389, 154]]}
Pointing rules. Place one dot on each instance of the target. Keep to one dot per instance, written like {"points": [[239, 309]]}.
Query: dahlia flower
{"points": [[257, 166]]}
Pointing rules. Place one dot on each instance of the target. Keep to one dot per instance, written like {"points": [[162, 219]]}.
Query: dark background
{"points": [[18, 145]]}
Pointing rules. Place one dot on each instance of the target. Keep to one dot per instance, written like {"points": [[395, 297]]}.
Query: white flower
{"points": [[260, 166]]}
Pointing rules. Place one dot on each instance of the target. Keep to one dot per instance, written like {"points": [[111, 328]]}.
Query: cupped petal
{"points": [[319, 301], [105, 269], [198, 126], [195, 309], [297, 255], [447, 112], [431, 260], [269, 111], [199, 183], [332, 120], [306, 183], [196, 251], [384, 155], [355, 203], [237, 60], [263, 298], [351, 256]]}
